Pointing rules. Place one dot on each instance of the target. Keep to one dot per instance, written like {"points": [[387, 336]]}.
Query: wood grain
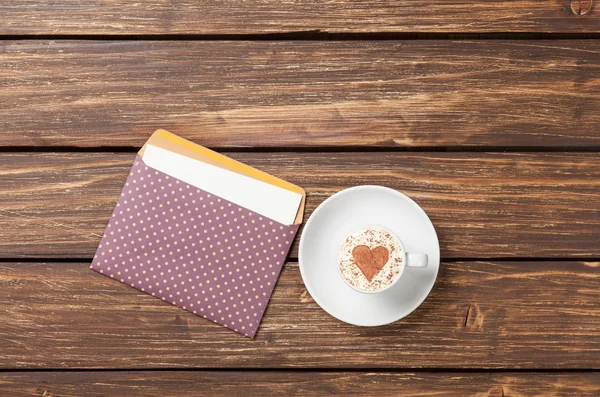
{"points": [[271, 16], [479, 315], [302, 94], [483, 205], [304, 384]]}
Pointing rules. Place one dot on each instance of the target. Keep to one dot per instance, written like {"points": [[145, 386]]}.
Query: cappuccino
{"points": [[371, 259]]}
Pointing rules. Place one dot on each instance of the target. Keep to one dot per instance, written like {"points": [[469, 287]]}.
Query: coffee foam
{"points": [[372, 237]]}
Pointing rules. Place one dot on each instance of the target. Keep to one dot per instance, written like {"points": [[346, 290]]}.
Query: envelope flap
{"points": [[173, 143]]}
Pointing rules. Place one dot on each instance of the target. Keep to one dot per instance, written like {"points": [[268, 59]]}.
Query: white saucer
{"points": [[350, 210]]}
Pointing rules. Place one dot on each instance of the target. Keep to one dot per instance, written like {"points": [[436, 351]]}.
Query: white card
{"points": [[263, 198]]}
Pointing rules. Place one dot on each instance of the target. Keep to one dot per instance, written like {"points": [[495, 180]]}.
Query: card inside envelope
{"points": [[192, 247]]}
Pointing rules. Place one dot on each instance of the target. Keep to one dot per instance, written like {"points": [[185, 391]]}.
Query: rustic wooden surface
{"points": [[486, 113], [492, 314], [272, 16], [483, 205], [305, 384], [302, 94]]}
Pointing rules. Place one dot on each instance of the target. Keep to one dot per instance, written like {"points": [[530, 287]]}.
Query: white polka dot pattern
{"points": [[193, 249]]}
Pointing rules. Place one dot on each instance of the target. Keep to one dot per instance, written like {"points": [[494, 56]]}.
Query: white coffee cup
{"points": [[407, 259], [349, 210]]}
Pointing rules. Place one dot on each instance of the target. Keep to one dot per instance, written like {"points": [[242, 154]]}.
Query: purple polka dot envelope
{"points": [[201, 231]]}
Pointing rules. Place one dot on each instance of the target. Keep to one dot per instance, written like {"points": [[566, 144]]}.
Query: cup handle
{"points": [[416, 260]]}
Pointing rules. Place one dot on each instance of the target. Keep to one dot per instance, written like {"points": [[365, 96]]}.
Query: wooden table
{"points": [[486, 113]]}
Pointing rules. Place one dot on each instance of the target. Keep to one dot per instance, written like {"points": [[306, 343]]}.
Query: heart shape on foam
{"points": [[370, 261]]}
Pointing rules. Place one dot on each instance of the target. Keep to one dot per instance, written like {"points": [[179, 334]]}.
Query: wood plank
{"points": [[483, 205], [302, 94], [305, 384], [479, 315], [271, 16]]}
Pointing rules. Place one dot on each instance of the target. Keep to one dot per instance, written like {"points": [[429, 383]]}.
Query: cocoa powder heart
{"points": [[370, 261]]}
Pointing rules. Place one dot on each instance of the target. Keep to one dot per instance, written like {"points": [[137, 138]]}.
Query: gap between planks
{"points": [[291, 259], [312, 35], [316, 149]]}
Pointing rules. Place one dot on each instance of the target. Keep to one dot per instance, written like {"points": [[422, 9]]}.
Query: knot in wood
{"points": [[581, 7]]}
